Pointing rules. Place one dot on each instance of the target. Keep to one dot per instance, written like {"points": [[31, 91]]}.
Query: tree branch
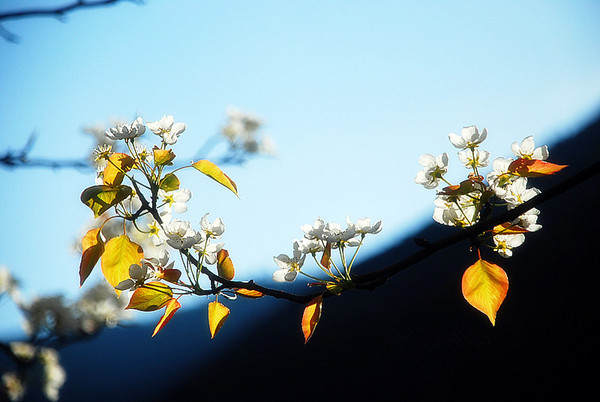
{"points": [[377, 278], [56, 12]]}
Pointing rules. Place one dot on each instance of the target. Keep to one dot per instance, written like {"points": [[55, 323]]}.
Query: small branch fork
{"points": [[372, 280], [57, 12]]}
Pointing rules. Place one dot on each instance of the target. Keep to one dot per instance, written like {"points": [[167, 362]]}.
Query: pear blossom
{"points": [[13, 386], [54, 374], [474, 158], [505, 243], [207, 250], [311, 246], [458, 211], [517, 192], [363, 226], [289, 267], [315, 231], [167, 129], [470, 138], [180, 234], [334, 235], [215, 229], [434, 169], [499, 177], [527, 150], [528, 220], [126, 131], [175, 200]]}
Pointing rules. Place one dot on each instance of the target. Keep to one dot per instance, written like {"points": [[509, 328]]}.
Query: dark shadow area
{"points": [[414, 339]]}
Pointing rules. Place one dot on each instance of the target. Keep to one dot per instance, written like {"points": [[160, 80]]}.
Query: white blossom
{"points": [[214, 229], [180, 234], [289, 267], [470, 137], [126, 131], [167, 129], [527, 150], [505, 243], [434, 169]]}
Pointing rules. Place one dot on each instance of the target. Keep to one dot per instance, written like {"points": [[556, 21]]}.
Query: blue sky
{"points": [[352, 93]]}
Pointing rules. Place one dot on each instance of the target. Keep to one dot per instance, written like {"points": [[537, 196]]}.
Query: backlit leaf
{"points": [[250, 294], [507, 228], [326, 258], [170, 183], [213, 171], [163, 156], [311, 316], [172, 306], [93, 247], [119, 254], [485, 285], [101, 198], [225, 265], [118, 164], [217, 314], [151, 296], [533, 168]]}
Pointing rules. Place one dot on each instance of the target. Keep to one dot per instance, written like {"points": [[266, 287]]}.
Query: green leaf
{"points": [[101, 198], [170, 183]]}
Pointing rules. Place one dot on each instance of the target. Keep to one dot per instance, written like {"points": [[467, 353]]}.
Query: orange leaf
{"points": [[250, 294], [485, 285], [213, 171], [533, 168], [311, 316], [465, 187], [326, 259], [93, 247], [170, 275], [217, 314], [119, 254], [118, 164], [225, 265], [172, 306], [150, 297]]}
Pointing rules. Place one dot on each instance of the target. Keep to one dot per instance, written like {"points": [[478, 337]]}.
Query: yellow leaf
{"points": [[93, 247], [150, 297], [119, 254], [163, 156], [217, 314], [118, 164], [484, 286], [172, 306], [507, 228], [533, 168], [213, 171], [311, 316], [225, 265], [101, 198], [250, 294]]}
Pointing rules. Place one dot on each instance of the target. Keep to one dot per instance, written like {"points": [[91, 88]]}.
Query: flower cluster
{"points": [[44, 370], [464, 204], [241, 133], [323, 237], [48, 318]]}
